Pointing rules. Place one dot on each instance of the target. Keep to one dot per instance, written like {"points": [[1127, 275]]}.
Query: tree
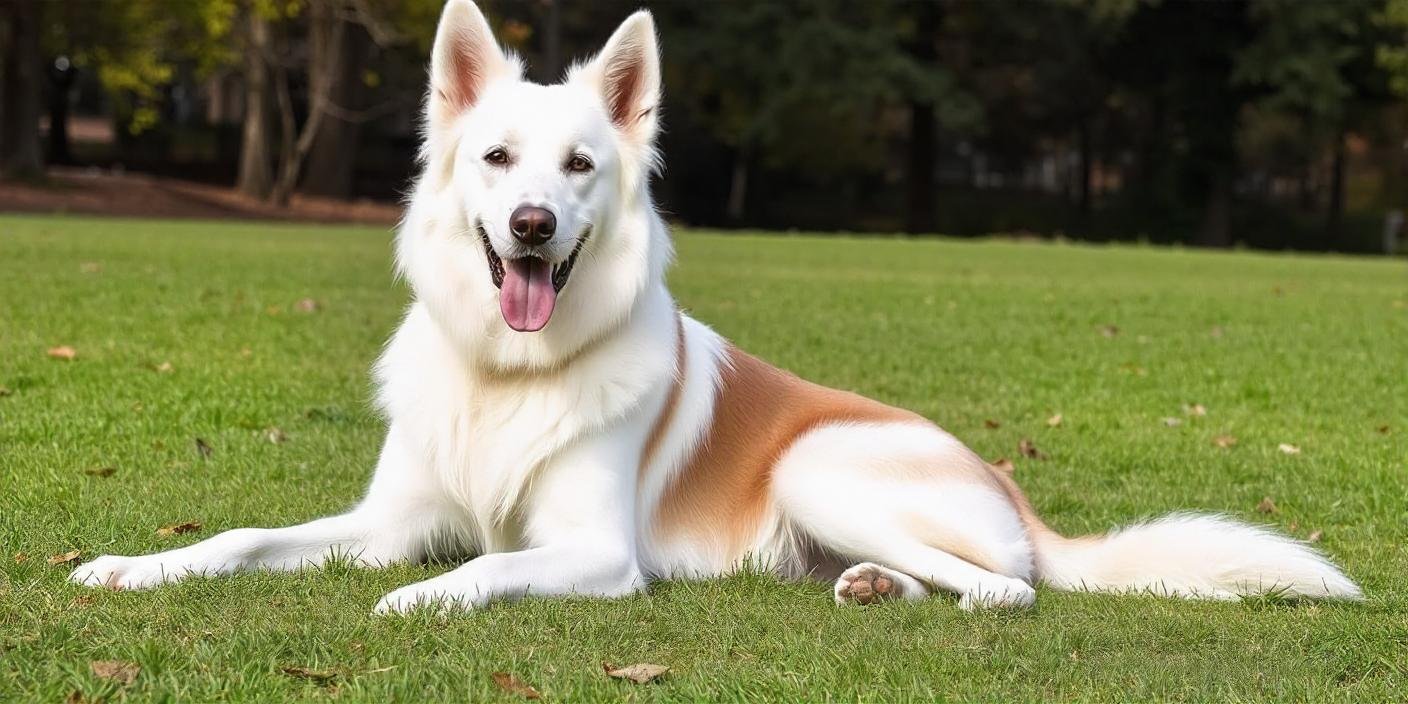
{"points": [[21, 86]]}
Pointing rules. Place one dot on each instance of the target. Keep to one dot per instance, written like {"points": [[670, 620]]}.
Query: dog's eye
{"points": [[579, 164], [497, 156]]}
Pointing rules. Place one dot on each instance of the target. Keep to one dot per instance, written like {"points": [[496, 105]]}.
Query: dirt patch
{"points": [[101, 192]]}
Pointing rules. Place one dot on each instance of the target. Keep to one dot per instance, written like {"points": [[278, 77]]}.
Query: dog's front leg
{"points": [[394, 522], [580, 532]]}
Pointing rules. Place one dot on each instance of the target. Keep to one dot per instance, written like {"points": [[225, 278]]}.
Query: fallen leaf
{"points": [[1383, 429], [1314, 537], [203, 447], [274, 310], [1224, 441], [1173, 422], [163, 368], [275, 435], [321, 677], [119, 671], [640, 673], [1266, 505], [1109, 330], [246, 352], [20, 557], [1004, 465], [83, 601], [171, 529], [1216, 332], [77, 697], [1288, 448], [90, 267], [5, 391], [1028, 449], [1054, 421], [65, 558], [63, 352], [104, 472], [513, 685], [307, 305], [991, 424], [1196, 409]]}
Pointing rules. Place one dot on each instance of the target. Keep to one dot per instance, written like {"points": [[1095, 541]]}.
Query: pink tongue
{"points": [[527, 296]]}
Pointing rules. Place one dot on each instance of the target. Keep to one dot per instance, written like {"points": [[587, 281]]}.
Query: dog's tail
{"points": [[1185, 555]]}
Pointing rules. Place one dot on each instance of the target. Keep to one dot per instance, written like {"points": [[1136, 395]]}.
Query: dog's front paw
{"points": [[433, 594], [118, 572]]}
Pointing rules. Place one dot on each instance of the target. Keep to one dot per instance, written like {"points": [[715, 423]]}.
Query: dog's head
{"points": [[535, 195]]}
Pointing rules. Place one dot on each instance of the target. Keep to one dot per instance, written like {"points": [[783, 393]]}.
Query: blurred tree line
{"points": [[1272, 123]]}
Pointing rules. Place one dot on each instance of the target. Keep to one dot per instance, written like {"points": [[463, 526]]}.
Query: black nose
{"points": [[532, 226]]}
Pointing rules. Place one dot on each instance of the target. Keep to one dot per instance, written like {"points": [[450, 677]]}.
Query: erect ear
{"points": [[464, 60], [627, 73]]}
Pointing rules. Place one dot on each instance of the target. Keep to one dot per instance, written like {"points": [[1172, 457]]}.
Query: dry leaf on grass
{"points": [[640, 673], [90, 267], [1314, 536], [991, 424], [307, 305], [1004, 465], [171, 529], [20, 557], [1288, 448], [163, 368], [1224, 441], [1383, 429], [1195, 409], [321, 677], [203, 447], [5, 391], [120, 671], [77, 697], [83, 601], [103, 472], [1172, 422], [1054, 421], [1216, 332], [63, 352], [275, 435], [1266, 505], [65, 558], [513, 685], [1109, 330], [1028, 449]]}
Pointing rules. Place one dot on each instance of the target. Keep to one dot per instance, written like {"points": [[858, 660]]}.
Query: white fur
{"points": [[524, 448]]}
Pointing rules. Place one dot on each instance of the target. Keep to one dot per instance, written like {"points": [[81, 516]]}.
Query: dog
{"points": [[552, 411]]}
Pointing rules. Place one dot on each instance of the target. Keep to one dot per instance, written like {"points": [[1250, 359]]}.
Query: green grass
{"points": [[1310, 351]]}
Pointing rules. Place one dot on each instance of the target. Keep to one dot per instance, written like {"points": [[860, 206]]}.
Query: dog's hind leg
{"points": [[397, 521], [910, 497]]}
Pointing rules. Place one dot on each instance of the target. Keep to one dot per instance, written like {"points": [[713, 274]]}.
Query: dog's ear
{"points": [[464, 60], [627, 74]]}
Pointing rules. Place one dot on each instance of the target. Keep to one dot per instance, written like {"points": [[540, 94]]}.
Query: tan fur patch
{"points": [[949, 541], [723, 492]]}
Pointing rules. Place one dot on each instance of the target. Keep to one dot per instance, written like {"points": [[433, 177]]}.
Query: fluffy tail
{"points": [[1184, 555]]}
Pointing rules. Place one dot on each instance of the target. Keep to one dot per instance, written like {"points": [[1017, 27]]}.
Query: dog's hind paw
{"points": [[869, 583]]}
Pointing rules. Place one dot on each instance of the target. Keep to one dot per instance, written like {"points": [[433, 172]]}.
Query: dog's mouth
{"points": [[528, 286]]}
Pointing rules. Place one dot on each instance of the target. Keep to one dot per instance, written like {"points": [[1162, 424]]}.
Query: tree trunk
{"points": [[1217, 211], [738, 188], [21, 86], [1084, 169], [295, 143], [256, 174], [60, 87], [332, 158], [1334, 214], [919, 168]]}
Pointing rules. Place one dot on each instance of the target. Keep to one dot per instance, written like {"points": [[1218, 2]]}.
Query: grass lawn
{"points": [[186, 330]]}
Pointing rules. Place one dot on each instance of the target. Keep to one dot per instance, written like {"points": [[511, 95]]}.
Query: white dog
{"points": [[552, 411]]}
